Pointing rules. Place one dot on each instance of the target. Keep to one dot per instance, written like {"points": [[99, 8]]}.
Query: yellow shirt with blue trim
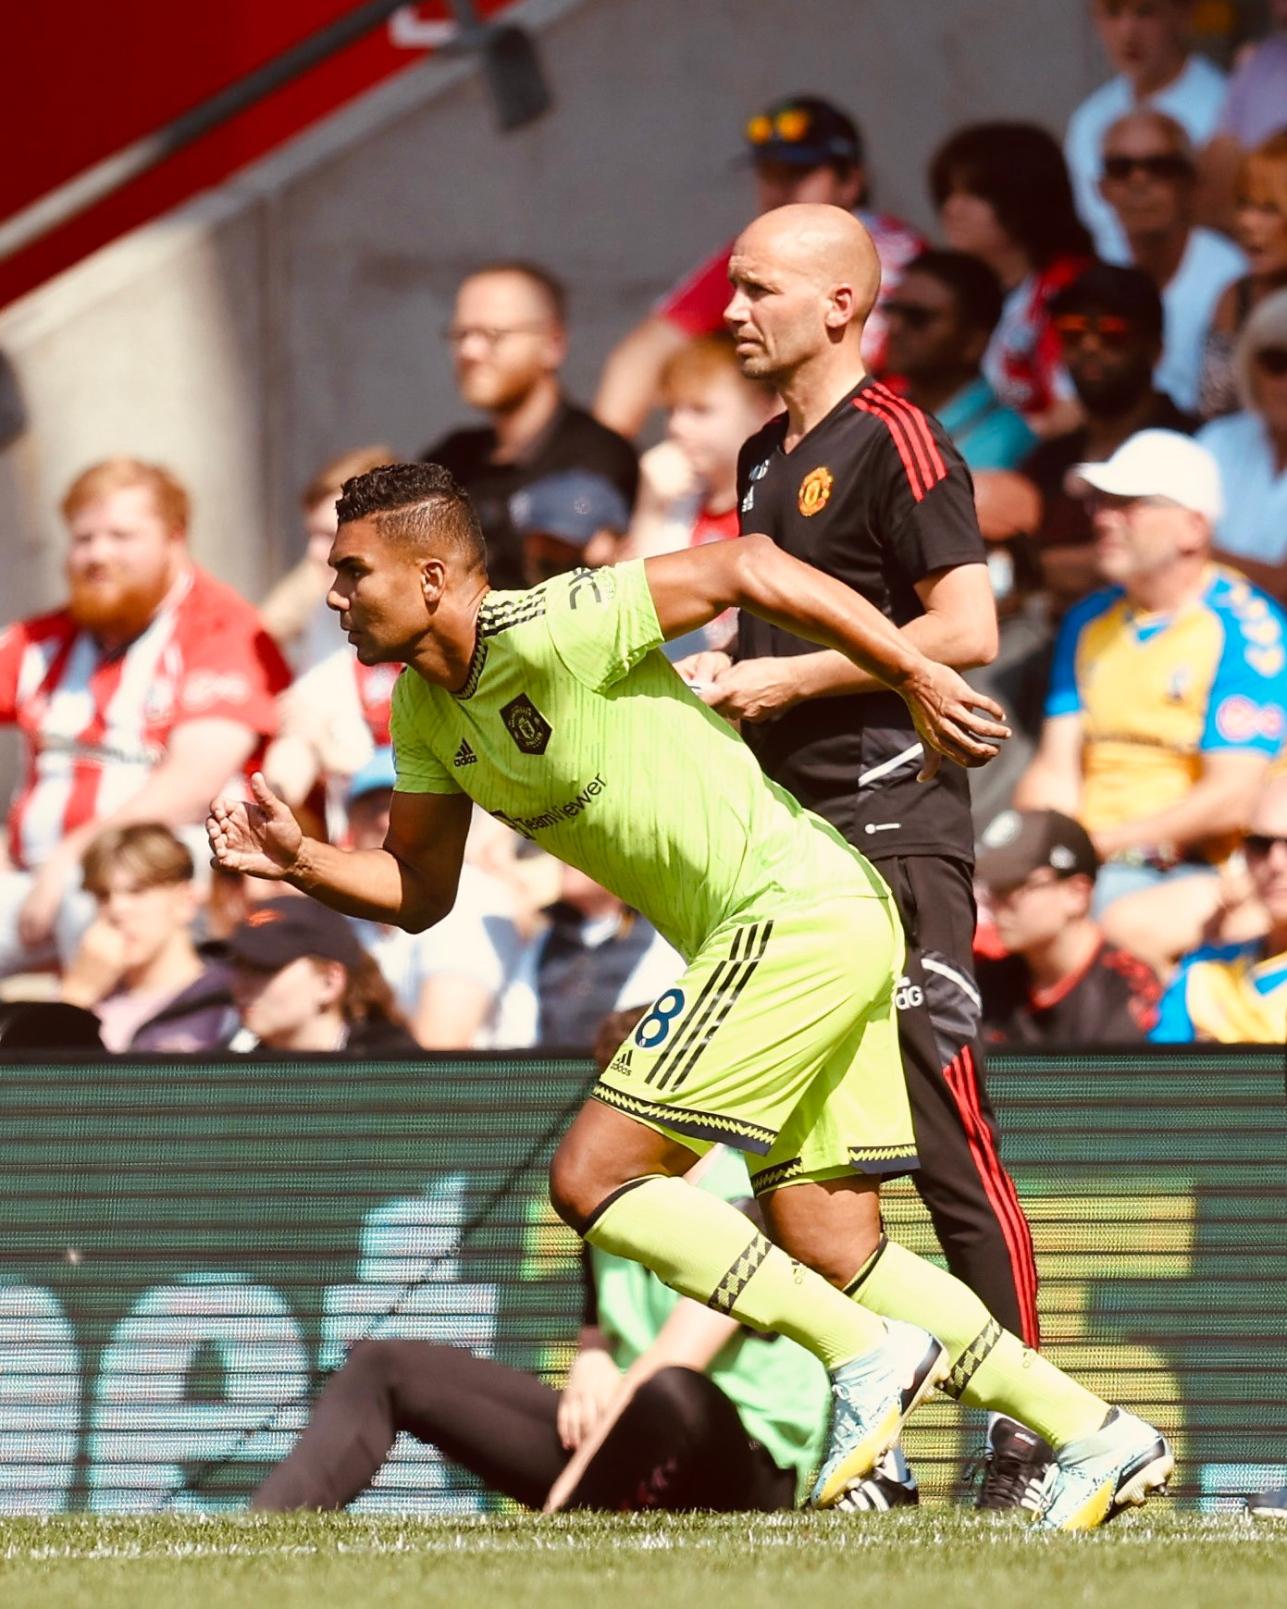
{"points": [[1229, 994], [1158, 691]]}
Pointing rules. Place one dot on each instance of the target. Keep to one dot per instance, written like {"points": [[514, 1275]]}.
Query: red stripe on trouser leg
{"points": [[999, 1187]]}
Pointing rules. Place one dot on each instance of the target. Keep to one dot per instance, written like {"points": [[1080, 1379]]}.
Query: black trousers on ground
{"points": [[968, 1193], [679, 1443]]}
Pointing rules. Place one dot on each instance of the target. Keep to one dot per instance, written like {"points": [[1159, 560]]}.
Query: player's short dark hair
{"points": [[417, 503], [1020, 169], [1129, 293], [548, 286], [976, 288]]}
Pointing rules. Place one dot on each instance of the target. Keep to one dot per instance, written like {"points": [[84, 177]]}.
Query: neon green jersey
{"points": [[573, 728]]}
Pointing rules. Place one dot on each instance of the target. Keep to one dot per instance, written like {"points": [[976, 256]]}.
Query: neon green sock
{"points": [[705, 1248], [990, 1367]]}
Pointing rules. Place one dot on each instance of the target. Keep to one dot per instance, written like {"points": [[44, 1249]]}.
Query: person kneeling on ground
{"points": [[667, 1405]]}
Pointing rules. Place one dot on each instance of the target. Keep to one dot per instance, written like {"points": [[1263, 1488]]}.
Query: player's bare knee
{"points": [[573, 1195]]}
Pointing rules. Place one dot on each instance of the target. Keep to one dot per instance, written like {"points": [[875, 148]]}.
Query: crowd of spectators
{"points": [[1101, 327]]}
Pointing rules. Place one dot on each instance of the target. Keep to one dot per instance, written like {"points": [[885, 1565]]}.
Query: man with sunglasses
{"points": [[1167, 700], [940, 321], [1150, 181], [1109, 323], [1236, 994], [801, 149], [508, 342], [1147, 42]]}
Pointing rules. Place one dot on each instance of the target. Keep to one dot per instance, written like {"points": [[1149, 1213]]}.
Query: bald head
{"points": [[1270, 813], [1151, 128], [826, 245], [804, 280]]}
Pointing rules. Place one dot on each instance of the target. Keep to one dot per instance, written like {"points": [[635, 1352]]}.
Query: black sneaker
{"points": [[890, 1485], [1268, 1505], [1014, 1468]]}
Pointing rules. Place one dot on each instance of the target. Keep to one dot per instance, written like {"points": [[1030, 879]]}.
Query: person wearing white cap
{"points": [[1167, 699]]}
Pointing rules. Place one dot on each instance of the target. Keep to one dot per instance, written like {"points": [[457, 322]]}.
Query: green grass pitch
{"points": [[932, 1559]]}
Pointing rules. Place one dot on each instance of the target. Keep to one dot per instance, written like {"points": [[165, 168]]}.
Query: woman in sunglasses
{"points": [[1260, 227], [1251, 450]]}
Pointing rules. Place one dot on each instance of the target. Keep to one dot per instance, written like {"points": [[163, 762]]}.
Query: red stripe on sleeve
{"points": [[919, 425], [865, 404]]}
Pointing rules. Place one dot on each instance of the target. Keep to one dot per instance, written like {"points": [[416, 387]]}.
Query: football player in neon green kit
{"points": [[556, 711]]}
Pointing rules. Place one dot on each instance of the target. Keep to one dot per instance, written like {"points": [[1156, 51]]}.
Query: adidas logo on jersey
{"points": [[464, 754]]}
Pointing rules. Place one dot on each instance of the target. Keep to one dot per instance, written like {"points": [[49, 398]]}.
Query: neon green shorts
{"points": [[780, 1039]]}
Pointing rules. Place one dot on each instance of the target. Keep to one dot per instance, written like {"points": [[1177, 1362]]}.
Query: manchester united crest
{"points": [[526, 725], [815, 489]]}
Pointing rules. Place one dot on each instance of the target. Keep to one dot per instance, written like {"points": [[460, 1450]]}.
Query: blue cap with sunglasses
{"points": [[804, 131]]}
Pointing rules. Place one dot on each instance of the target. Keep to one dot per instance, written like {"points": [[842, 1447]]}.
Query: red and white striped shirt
{"points": [[97, 723]]}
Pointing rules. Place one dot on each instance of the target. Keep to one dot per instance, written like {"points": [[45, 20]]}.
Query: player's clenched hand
{"points": [[259, 837], [754, 689], [952, 719], [592, 1381]]}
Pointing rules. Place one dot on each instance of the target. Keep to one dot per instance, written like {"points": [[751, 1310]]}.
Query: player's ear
{"points": [[433, 579]]}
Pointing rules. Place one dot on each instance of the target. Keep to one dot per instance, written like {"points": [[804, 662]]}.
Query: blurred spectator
{"points": [[137, 967], [450, 979], [1167, 701], [1255, 109], [303, 983], [1150, 182], [567, 519], [1237, 993], [333, 719], [1017, 676], [594, 957], [138, 700], [508, 340], [1147, 42], [295, 611], [1260, 227], [1003, 196], [688, 483], [940, 322], [1109, 324], [1251, 450], [802, 149], [1059, 984]]}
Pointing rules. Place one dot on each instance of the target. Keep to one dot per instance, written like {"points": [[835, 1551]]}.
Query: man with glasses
{"points": [[1147, 42], [1058, 982], [1109, 323], [508, 341], [1167, 700], [802, 149], [1150, 181], [1236, 994], [939, 322]]}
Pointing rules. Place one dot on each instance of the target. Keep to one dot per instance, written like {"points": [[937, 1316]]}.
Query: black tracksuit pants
{"points": [[966, 1189], [679, 1444]]}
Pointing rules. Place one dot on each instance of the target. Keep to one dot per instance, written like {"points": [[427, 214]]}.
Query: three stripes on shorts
{"points": [[718, 996]]}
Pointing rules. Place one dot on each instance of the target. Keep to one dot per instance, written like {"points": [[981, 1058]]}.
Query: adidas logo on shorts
{"points": [[464, 754]]}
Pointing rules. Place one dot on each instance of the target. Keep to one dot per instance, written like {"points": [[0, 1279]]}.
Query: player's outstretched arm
{"points": [[692, 587], [410, 883]]}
